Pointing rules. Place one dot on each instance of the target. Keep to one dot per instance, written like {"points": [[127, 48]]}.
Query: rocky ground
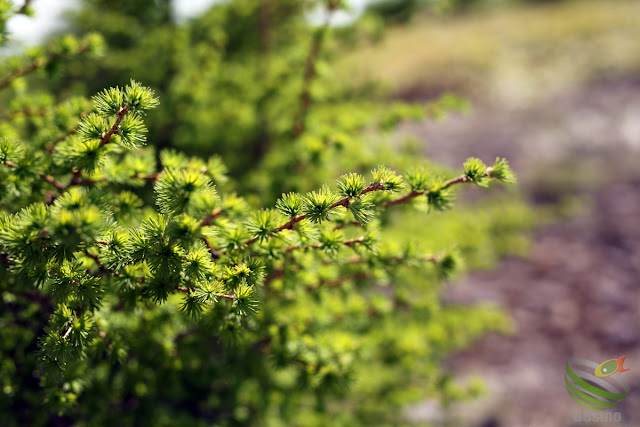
{"points": [[578, 293]]}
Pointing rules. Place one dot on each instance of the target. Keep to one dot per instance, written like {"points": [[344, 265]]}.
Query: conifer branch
{"points": [[347, 224], [397, 259], [332, 283], [40, 112], [75, 178], [101, 268], [47, 178], [214, 214], [94, 257], [349, 243], [462, 179], [402, 199], [105, 139], [214, 254], [106, 248], [19, 72], [88, 182], [150, 177], [35, 65], [52, 145], [289, 225], [77, 181], [51, 180], [273, 276], [205, 222], [471, 175], [189, 290]]}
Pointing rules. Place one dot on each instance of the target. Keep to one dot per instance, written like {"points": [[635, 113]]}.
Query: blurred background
{"points": [[554, 86]]}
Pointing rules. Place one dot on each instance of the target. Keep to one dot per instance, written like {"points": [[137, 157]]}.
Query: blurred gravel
{"points": [[578, 293]]}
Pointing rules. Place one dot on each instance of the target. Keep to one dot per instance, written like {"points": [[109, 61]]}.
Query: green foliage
{"points": [[387, 178], [10, 151], [262, 225], [290, 205], [502, 172], [317, 205], [184, 190], [439, 197], [418, 180], [351, 185], [475, 171], [6, 7], [142, 284]]}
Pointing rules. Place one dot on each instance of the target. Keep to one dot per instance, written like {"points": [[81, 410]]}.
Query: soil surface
{"points": [[578, 293]]}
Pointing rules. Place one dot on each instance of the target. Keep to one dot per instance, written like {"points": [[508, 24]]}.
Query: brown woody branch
{"points": [[25, 112], [462, 179], [51, 180], [348, 243], [52, 145], [331, 283], [214, 214], [350, 223], [188, 290], [342, 202], [105, 139], [310, 73], [34, 65]]}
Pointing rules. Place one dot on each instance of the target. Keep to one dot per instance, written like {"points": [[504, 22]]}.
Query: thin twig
{"points": [[19, 72], [53, 181], [188, 290], [52, 145], [310, 72], [33, 66], [25, 112], [273, 276], [348, 243], [101, 268], [462, 179], [105, 139], [214, 214], [293, 221], [345, 224], [338, 281]]}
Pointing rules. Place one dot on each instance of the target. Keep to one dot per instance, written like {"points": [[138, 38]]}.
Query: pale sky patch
{"points": [[29, 31]]}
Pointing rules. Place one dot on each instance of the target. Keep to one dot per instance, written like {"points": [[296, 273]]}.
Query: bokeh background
{"points": [[554, 86]]}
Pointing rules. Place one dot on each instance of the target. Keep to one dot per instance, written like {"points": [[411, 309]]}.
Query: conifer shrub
{"points": [[145, 286]]}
